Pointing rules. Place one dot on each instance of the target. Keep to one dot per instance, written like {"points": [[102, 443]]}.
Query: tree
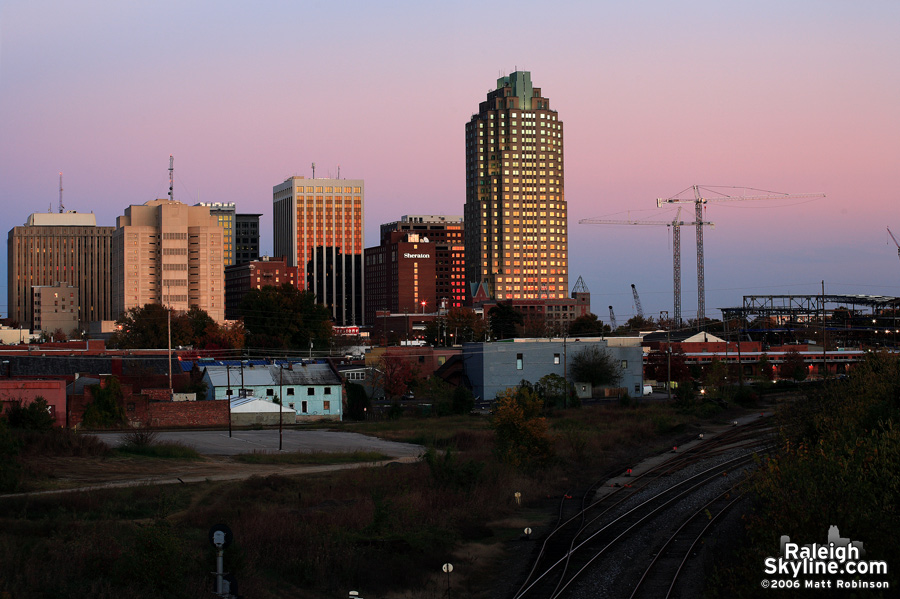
{"points": [[503, 320], [553, 390], [794, 367], [143, 327], [395, 373], [587, 326], [664, 367], [285, 317], [106, 409], [714, 376], [766, 369], [640, 323], [521, 431], [595, 366], [463, 324]]}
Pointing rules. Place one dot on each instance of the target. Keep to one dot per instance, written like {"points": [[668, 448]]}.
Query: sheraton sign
{"points": [[423, 256]]}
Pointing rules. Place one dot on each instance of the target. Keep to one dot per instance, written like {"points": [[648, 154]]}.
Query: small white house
{"points": [[247, 411]]}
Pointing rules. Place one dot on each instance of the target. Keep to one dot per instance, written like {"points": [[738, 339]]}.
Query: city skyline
{"points": [[656, 98]]}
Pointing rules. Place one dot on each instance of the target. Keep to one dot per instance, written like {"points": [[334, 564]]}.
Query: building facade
{"points": [[318, 226], [494, 367], [401, 275], [446, 233], [225, 214], [246, 238], [54, 307], [516, 236], [64, 248], [169, 253], [241, 278]]}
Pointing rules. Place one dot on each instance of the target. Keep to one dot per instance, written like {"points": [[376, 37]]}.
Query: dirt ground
{"points": [[62, 474]]}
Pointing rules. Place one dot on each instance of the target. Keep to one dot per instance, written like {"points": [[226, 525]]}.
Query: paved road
{"points": [[218, 442]]}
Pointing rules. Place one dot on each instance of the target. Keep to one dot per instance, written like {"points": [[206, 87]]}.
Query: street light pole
{"points": [[228, 395]]}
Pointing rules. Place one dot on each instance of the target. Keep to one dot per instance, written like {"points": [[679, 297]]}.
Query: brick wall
{"points": [[142, 410]]}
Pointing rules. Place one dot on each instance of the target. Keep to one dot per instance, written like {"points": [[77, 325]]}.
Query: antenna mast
{"points": [[314, 170], [61, 207], [171, 178]]}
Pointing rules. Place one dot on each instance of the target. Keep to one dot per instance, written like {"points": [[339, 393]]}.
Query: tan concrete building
{"points": [[65, 248], [166, 252], [515, 215], [54, 307], [318, 225]]}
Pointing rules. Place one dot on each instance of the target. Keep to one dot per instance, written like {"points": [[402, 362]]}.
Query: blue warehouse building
{"points": [[494, 367]]}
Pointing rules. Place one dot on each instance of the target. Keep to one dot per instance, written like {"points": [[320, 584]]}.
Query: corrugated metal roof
{"points": [[270, 375]]}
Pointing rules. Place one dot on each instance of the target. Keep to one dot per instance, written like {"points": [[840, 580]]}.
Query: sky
{"points": [[793, 97]]}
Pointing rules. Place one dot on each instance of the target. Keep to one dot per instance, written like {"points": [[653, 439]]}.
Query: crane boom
{"points": [[612, 319], [895, 240], [637, 301]]}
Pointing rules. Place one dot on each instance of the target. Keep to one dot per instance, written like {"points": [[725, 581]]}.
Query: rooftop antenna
{"points": [[314, 170], [61, 207], [171, 178], [339, 171]]}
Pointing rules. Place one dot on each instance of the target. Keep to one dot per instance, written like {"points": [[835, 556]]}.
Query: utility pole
{"points": [[668, 355]]}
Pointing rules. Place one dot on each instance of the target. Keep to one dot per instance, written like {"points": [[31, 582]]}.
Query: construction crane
{"points": [[895, 241], [637, 302], [612, 319], [676, 225], [699, 200]]}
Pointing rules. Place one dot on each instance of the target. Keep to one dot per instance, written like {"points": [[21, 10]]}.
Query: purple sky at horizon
{"points": [[654, 96]]}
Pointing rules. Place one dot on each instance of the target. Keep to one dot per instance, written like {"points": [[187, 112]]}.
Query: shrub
{"points": [[448, 471], [521, 433], [140, 437], [32, 417], [106, 409]]}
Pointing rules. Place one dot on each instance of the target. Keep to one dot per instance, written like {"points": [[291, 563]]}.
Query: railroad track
{"points": [[609, 516]]}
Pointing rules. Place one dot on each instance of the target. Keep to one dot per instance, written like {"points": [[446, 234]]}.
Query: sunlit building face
{"points": [[515, 215]]}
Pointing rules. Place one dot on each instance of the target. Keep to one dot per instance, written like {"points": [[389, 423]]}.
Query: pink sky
{"points": [[655, 97]]}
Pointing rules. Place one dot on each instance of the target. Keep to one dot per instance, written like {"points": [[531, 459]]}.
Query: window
{"points": [[624, 364], [290, 391], [520, 362], [270, 392], [310, 391], [229, 392], [326, 405], [327, 390], [303, 406], [556, 358], [291, 406]]}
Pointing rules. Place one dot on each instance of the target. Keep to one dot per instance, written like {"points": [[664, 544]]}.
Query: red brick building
{"points": [[400, 276], [241, 278], [446, 233]]}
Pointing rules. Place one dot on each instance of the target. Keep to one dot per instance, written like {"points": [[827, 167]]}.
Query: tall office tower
{"points": [[319, 227], [166, 252], [224, 212], [56, 248], [246, 238], [446, 233], [515, 214]]}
